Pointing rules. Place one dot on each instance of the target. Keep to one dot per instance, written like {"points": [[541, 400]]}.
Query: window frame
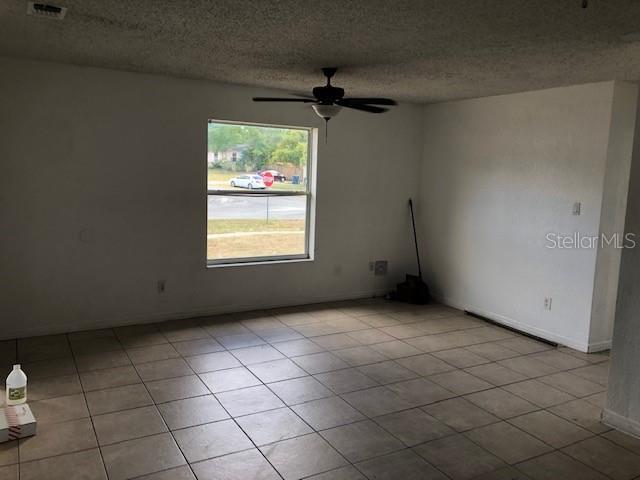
{"points": [[309, 193]]}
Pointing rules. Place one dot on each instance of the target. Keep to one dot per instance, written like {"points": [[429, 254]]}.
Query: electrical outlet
{"points": [[372, 266], [577, 208], [380, 267], [547, 303], [162, 286]]}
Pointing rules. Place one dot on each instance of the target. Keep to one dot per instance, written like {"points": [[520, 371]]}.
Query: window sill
{"points": [[259, 262]]}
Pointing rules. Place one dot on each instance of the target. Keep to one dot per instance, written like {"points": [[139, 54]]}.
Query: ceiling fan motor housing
{"points": [[328, 94]]}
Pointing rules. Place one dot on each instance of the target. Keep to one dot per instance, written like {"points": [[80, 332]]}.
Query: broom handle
{"points": [[415, 238]]}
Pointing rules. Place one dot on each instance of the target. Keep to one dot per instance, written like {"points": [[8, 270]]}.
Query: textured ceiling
{"points": [[418, 50]]}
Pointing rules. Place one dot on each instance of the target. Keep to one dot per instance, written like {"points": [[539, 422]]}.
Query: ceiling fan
{"points": [[327, 100]]}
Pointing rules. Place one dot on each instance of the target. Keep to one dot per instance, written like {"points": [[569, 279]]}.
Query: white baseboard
{"points": [[523, 327], [624, 424], [152, 317]]}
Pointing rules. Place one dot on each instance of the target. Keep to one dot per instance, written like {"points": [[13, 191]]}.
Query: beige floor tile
{"points": [[346, 380], [109, 378], [190, 412], [496, 374], [51, 387], [57, 439], [249, 400], [229, 379], [161, 369], [405, 465], [461, 357], [524, 345], [211, 362], [539, 393], [501, 403], [176, 388], [240, 340], [420, 391], [327, 413], [197, 347], [557, 465], [528, 366], [550, 428], [357, 356], [320, 362], [10, 472], [337, 341], [402, 332], [98, 361], [117, 398], [175, 332], [606, 457], [559, 360], [362, 440], [49, 368], [460, 414], [86, 465], [295, 348], [152, 353], [413, 427], [458, 457], [93, 345], [292, 457], [273, 426], [396, 349], [493, 351], [211, 440], [8, 453], [249, 464], [507, 442], [598, 373], [257, 354], [278, 334], [377, 401], [299, 390], [387, 372], [630, 443], [370, 336], [505, 473], [178, 473], [60, 409], [43, 348], [276, 370], [582, 413], [139, 335], [128, 424], [141, 456], [343, 473], [379, 320], [425, 364], [460, 382]]}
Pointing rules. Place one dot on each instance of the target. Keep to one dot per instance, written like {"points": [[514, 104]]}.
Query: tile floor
{"points": [[351, 390]]}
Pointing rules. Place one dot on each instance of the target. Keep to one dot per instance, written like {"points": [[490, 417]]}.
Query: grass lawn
{"points": [[251, 225], [255, 238]]}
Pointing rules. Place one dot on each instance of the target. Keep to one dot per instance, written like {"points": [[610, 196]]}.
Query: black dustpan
{"points": [[413, 289]]}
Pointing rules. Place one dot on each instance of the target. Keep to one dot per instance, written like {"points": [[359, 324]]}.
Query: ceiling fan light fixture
{"points": [[326, 111]]}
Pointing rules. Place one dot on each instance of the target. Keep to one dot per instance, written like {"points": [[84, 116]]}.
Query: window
{"points": [[259, 192]]}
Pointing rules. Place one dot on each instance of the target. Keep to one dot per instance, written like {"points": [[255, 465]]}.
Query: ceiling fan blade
{"points": [[371, 101], [364, 108], [272, 99]]}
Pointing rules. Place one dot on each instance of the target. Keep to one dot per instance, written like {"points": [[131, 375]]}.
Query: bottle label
{"points": [[17, 393]]}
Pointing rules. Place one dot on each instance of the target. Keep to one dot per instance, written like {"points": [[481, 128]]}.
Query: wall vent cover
{"points": [[46, 10]]}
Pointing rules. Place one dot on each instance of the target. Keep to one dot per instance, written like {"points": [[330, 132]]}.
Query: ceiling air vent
{"points": [[46, 10]]}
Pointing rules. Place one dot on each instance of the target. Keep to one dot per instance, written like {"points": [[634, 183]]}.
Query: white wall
{"points": [[498, 174], [102, 193], [623, 398]]}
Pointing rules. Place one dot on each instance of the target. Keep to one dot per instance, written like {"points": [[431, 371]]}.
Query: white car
{"points": [[247, 181]]}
